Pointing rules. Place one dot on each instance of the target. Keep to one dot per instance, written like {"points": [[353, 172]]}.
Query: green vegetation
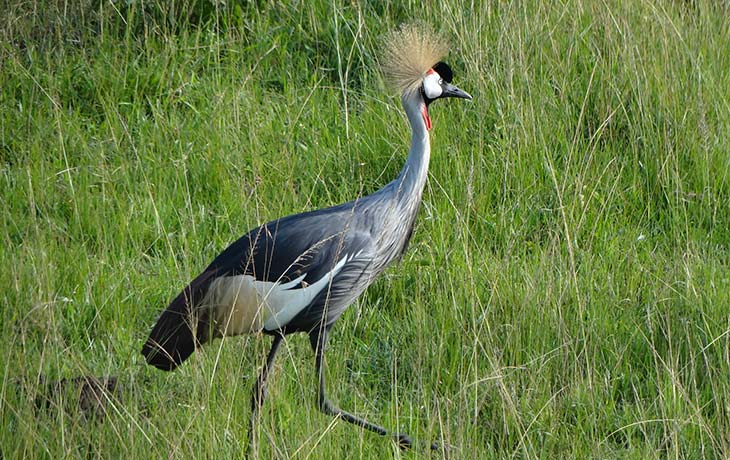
{"points": [[567, 290]]}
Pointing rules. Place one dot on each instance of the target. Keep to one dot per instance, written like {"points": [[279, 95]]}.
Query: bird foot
{"points": [[444, 449], [404, 441]]}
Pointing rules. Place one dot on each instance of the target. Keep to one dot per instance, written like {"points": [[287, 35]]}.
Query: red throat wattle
{"points": [[426, 118]]}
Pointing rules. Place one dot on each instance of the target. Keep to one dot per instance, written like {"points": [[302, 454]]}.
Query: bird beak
{"points": [[450, 90]]}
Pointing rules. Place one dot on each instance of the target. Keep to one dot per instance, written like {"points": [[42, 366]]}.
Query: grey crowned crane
{"points": [[299, 273]]}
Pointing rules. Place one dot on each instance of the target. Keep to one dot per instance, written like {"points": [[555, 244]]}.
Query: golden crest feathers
{"points": [[409, 52]]}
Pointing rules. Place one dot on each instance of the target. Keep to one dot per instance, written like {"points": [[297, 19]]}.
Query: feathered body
{"points": [[346, 246], [299, 273]]}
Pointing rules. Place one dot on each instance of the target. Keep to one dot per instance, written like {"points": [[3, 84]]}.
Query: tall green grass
{"points": [[567, 290]]}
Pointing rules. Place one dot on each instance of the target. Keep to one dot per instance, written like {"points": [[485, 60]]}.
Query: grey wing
{"points": [[291, 260], [320, 262], [355, 276]]}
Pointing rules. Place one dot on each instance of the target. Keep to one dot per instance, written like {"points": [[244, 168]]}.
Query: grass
{"points": [[566, 293]]}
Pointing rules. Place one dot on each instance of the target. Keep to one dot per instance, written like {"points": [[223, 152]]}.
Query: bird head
{"points": [[412, 65], [437, 84]]}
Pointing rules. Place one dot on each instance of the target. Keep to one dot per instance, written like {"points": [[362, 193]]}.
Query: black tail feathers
{"points": [[180, 329], [170, 343]]}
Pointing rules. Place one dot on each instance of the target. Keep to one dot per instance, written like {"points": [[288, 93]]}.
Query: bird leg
{"points": [[318, 340], [259, 389]]}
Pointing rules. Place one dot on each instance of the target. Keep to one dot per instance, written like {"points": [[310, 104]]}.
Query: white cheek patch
{"points": [[432, 86]]}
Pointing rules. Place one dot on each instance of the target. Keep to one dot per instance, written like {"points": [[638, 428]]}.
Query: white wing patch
{"points": [[234, 304], [283, 303], [241, 304]]}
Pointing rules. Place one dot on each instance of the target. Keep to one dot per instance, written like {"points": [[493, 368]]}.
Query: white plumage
{"points": [[242, 304]]}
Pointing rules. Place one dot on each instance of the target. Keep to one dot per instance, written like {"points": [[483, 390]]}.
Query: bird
{"points": [[299, 273]]}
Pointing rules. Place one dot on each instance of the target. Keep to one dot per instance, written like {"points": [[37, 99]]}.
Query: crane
{"points": [[300, 272]]}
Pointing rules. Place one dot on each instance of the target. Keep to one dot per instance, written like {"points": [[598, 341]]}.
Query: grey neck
{"points": [[402, 196], [412, 178]]}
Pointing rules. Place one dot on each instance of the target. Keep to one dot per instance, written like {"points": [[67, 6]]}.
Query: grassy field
{"points": [[567, 290]]}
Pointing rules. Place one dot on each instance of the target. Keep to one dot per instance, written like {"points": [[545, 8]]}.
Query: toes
{"points": [[444, 449], [404, 441]]}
